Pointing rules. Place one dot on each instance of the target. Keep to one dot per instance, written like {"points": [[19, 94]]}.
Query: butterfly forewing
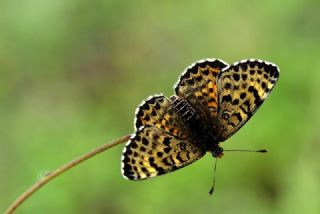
{"points": [[242, 88], [152, 151]]}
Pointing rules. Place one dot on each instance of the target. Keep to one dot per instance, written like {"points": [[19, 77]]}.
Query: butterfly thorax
{"points": [[198, 129]]}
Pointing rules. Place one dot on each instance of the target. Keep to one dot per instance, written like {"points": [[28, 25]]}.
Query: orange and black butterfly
{"points": [[212, 101]]}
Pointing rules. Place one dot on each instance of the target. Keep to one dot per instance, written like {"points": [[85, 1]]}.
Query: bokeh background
{"points": [[73, 72]]}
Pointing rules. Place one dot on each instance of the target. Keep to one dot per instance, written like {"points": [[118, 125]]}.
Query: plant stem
{"points": [[48, 177]]}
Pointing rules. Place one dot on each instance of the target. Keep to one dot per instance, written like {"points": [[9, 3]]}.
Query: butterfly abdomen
{"points": [[183, 108], [195, 124]]}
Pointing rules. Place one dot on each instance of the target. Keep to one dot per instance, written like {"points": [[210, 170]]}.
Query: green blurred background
{"points": [[73, 72]]}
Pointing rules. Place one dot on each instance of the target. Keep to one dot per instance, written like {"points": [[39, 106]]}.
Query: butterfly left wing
{"points": [[152, 151], [242, 88], [157, 111]]}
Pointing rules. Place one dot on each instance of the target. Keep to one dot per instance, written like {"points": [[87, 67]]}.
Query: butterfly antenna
{"points": [[246, 150], [214, 177], [231, 150]]}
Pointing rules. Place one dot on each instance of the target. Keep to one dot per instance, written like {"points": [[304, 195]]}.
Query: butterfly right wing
{"points": [[198, 85], [242, 88], [152, 151]]}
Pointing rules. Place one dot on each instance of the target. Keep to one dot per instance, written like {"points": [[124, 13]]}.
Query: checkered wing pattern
{"points": [[198, 85], [242, 88], [152, 151]]}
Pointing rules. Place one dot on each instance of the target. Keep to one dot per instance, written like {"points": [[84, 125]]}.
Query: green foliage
{"points": [[72, 73]]}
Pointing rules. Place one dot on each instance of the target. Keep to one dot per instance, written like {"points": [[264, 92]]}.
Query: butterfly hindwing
{"points": [[198, 85], [242, 88], [151, 152], [156, 111], [198, 74]]}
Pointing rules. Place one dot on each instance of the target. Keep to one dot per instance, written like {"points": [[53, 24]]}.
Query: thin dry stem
{"points": [[48, 177]]}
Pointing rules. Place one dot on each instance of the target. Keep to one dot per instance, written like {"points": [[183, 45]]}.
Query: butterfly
{"points": [[212, 101]]}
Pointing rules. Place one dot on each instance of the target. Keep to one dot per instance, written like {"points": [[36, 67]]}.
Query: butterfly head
{"points": [[217, 151]]}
